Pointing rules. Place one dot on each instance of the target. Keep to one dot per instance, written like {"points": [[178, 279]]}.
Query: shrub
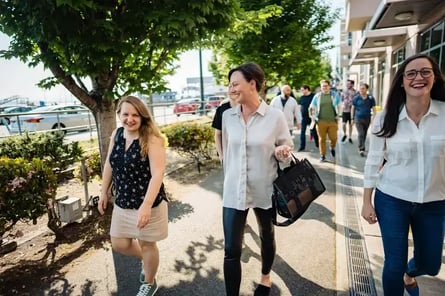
{"points": [[191, 140], [25, 187], [46, 146]]}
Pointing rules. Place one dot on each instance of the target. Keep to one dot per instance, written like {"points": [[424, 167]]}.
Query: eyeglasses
{"points": [[424, 72]]}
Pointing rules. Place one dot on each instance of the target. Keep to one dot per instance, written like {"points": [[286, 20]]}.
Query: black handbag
{"points": [[295, 188]]}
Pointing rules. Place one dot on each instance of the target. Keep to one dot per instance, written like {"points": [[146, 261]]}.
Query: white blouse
{"points": [[249, 163], [415, 167]]}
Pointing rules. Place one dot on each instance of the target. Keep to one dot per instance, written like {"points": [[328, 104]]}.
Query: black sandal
{"points": [[262, 290]]}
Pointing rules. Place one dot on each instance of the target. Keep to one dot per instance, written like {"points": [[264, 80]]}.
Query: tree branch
{"points": [[66, 80]]}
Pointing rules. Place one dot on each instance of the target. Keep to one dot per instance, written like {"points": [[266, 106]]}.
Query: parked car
{"points": [[213, 102], [66, 117], [16, 109], [186, 106]]}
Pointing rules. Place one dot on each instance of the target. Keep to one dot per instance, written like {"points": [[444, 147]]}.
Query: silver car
{"points": [[15, 109], [64, 117]]}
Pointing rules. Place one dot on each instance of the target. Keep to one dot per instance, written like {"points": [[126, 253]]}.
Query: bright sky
{"points": [[18, 79]]}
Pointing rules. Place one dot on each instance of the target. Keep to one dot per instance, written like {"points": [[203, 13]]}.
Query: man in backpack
{"points": [[324, 110]]}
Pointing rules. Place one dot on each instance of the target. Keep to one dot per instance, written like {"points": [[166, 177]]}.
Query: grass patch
{"points": [[89, 145]]}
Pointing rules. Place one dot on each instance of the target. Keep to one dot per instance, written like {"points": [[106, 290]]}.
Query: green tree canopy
{"points": [[287, 38], [121, 46]]}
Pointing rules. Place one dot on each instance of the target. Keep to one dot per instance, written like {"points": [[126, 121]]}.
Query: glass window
{"points": [[425, 41], [382, 65], [435, 54], [436, 35], [442, 60]]}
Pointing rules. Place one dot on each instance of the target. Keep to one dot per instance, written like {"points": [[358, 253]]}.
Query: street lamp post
{"points": [[201, 82]]}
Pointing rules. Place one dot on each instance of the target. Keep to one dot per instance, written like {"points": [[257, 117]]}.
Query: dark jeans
{"points": [[313, 132], [362, 125], [234, 222], [396, 217]]}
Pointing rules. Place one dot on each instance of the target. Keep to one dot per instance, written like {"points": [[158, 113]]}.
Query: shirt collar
{"points": [[261, 109], [434, 109]]}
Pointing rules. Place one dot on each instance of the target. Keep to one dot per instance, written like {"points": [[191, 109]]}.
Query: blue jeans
{"points": [[304, 124], [395, 217]]}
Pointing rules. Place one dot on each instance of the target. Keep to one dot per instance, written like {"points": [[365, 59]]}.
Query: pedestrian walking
{"points": [[324, 110], [346, 100], [288, 105], [305, 101], [362, 106], [254, 137], [135, 165], [409, 190]]}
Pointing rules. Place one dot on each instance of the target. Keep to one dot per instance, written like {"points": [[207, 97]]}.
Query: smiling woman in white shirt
{"points": [[254, 137], [410, 189]]}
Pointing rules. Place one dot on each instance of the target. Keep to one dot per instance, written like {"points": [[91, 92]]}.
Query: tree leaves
{"points": [[287, 38]]}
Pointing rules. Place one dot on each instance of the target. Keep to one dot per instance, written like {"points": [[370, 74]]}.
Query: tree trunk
{"points": [[150, 105], [106, 124]]}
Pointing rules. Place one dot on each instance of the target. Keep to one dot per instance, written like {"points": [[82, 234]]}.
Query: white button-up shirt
{"points": [[415, 167], [249, 163]]}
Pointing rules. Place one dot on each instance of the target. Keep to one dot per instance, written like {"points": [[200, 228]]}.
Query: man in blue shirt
{"points": [[362, 104]]}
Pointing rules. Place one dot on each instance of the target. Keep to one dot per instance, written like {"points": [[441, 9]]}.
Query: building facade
{"points": [[377, 36]]}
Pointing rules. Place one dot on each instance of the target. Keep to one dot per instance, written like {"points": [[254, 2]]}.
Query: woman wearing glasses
{"points": [[410, 190]]}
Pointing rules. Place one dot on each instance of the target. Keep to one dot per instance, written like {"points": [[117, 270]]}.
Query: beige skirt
{"points": [[123, 224]]}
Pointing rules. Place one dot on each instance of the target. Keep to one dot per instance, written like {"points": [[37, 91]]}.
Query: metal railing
{"points": [[163, 113]]}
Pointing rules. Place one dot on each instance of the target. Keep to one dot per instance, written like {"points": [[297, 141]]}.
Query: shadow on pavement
{"points": [[177, 210], [205, 278], [295, 283]]}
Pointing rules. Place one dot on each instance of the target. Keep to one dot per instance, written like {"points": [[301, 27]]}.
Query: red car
{"points": [[186, 106], [213, 102]]}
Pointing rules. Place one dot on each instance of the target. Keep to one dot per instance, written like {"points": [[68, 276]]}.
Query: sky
{"points": [[17, 79]]}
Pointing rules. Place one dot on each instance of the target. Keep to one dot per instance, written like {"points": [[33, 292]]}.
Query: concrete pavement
{"points": [[329, 251]]}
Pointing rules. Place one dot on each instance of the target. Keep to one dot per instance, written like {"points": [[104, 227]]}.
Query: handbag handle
{"points": [[294, 161]]}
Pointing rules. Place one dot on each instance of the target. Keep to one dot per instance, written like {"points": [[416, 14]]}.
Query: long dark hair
{"points": [[397, 96]]}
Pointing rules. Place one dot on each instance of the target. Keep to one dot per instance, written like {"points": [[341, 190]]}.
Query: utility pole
{"points": [[201, 83]]}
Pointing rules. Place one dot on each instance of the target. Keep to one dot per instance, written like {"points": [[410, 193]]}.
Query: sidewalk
{"points": [[315, 256]]}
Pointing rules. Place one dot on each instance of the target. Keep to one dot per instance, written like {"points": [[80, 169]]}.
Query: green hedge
{"points": [[48, 147], [190, 139], [25, 187]]}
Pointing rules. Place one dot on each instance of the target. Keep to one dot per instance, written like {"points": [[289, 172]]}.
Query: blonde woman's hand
{"points": [[144, 215], [103, 202], [283, 152], [368, 213]]}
